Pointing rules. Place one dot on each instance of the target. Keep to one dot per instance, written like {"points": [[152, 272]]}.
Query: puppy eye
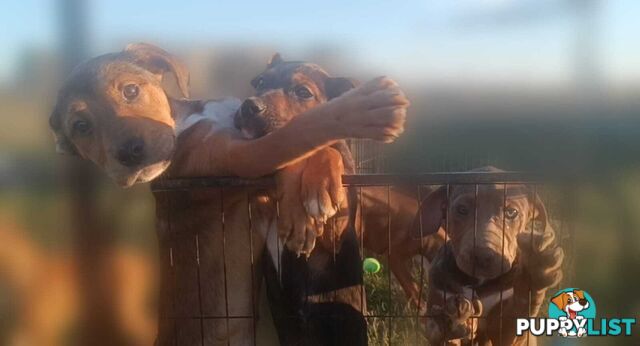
{"points": [[302, 92], [258, 83], [81, 127], [130, 92], [462, 210], [511, 213]]}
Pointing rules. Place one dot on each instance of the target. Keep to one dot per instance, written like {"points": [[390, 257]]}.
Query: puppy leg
{"points": [[541, 270], [310, 193], [438, 328], [375, 110], [295, 227], [542, 259], [399, 265], [322, 191], [460, 312]]}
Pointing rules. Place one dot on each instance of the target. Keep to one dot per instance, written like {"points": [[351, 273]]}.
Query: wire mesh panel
{"points": [[368, 156], [213, 267]]}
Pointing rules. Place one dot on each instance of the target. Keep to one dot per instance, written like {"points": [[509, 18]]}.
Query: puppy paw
{"points": [[461, 312], [458, 308], [375, 110], [322, 191], [297, 230], [295, 227], [542, 259]]}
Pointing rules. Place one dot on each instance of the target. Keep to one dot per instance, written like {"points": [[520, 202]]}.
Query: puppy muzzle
{"points": [[252, 107], [251, 118], [131, 153], [483, 262]]}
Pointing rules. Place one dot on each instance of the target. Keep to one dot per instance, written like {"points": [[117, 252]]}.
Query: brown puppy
{"points": [[492, 254], [286, 89], [114, 111]]}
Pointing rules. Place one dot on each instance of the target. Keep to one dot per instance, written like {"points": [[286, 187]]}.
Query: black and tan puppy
{"points": [[315, 300], [500, 248], [283, 91], [115, 111]]}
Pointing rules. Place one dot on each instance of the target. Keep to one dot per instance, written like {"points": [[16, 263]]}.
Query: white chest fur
{"points": [[491, 300], [220, 112]]}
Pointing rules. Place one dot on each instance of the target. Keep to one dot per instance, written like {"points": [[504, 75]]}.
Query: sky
{"points": [[436, 40]]}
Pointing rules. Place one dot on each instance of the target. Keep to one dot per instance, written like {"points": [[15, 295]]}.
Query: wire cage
{"points": [[197, 310]]}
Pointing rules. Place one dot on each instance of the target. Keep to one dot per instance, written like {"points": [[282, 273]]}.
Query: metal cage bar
{"points": [[359, 182], [454, 178]]}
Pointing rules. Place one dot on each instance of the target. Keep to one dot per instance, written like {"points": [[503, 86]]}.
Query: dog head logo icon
{"points": [[572, 305]]}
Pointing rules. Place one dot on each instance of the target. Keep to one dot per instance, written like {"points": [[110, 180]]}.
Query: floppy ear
{"points": [[559, 301], [335, 87], [579, 293], [276, 59], [431, 213], [159, 62], [63, 144]]}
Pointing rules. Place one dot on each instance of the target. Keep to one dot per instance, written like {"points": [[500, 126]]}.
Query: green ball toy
{"points": [[371, 265]]}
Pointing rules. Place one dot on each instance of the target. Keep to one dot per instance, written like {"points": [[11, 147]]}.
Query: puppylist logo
{"points": [[572, 314]]}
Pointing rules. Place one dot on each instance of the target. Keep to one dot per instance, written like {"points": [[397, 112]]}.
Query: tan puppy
{"points": [[46, 291], [114, 111], [491, 254], [285, 90]]}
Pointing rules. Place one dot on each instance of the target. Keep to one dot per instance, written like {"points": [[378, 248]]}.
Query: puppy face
{"points": [[571, 302], [488, 252], [475, 221], [284, 90], [114, 111]]}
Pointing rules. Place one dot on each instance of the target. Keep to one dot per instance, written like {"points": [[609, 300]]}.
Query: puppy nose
{"points": [[131, 153], [483, 259], [583, 302], [252, 107]]}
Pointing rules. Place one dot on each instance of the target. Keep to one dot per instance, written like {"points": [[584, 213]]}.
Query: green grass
{"points": [[391, 319]]}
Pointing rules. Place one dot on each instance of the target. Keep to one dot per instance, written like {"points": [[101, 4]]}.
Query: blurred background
{"points": [[538, 85]]}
